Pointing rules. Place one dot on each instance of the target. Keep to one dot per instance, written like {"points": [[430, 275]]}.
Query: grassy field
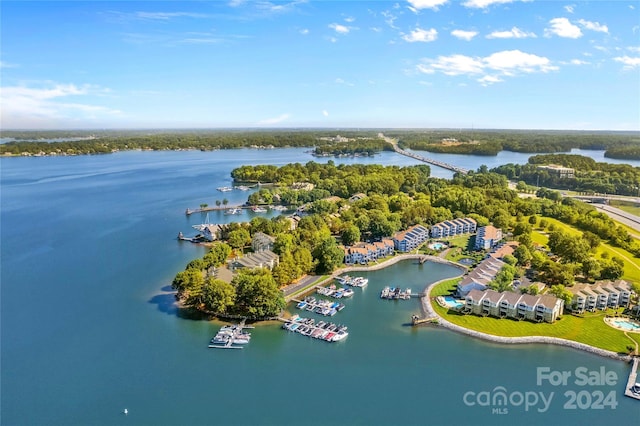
{"points": [[589, 329], [631, 263]]}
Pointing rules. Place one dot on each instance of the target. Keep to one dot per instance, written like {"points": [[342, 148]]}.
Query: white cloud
{"points": [[275, 120], [489, 79], [340, 29], [389, 18], [7, 65], [325, 112], [453, 65], [635, 49], [427, 4], [579, 62], [506, 63], [570, 8], [483, 4], [304, 31], [349, 19], [593, 26], [628, 62], [514, 32], [464, 35], [420, 35], [510, 61], [43, 106], [563, 28]]}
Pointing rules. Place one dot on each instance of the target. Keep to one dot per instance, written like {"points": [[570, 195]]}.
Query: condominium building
{"points": [[600, 295], [508, 304]]}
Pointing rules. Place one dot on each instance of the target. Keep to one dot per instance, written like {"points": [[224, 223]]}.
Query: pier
{"points": [[633, 376]]}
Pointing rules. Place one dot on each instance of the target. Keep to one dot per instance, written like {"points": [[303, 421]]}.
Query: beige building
{"points": [[601, 295], [507, 304]]}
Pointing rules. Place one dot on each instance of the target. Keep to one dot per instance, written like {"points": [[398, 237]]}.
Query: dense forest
{"points": [[590, 176], [392, 199], [489, 142], [325, 141]]}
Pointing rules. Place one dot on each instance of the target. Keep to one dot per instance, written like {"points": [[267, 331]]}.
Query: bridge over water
{"points": [[418, 157]]}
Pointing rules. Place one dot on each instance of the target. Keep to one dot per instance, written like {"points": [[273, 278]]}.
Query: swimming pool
{"points": [[436, 246], [626, 324], [452, 303]]}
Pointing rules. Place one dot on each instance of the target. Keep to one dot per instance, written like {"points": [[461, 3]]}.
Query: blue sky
{"points": [[419, 63]]}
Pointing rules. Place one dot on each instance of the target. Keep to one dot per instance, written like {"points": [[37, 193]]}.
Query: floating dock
{"points": [[633, 377]]}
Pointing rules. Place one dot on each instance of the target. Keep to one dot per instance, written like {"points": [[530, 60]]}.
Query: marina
{"points": [[231, 337], [327, 331], [320, 306], [333, 291], [353, 281], [395, 293]]}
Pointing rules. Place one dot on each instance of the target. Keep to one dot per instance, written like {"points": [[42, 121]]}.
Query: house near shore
{"points": [[487, 237], [363, 253], [454, 227], [261, 259], [507, 304], [600, 296], [211, 232], [261, 241], [410, 239], [480, 277]]}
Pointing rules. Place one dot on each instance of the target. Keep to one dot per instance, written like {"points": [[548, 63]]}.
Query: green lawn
{"points": [[631, 263], [591, 329]]}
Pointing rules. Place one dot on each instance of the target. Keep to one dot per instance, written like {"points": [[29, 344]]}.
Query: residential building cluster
{"points": [[508, 304], [487, 237], [599, 296], [363, 253], [480, 277], [411, 238], [451, 228]]}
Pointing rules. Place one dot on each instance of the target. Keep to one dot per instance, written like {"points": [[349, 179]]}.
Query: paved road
{"points": [[621, 216]]}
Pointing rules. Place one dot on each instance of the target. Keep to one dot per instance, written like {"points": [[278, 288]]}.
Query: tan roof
{"points": [[548, 301], [511, 298]]}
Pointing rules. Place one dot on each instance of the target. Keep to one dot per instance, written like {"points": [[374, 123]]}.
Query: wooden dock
{"points": [[633, 376]]}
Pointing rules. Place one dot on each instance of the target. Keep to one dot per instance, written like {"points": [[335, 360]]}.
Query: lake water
{"points": [[88, 324]]}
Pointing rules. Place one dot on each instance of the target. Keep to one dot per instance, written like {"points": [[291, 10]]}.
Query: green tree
{"points": [[284, 243], [350, 235], [522, 254], [257, 294], [328, 255], [239, 238], [218, 296], [503, 279], [561, 292]]}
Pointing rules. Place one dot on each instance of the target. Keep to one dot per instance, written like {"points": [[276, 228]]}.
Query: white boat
{"points": [[241, 187], [204, 225], [279, 208], [233, 211], [224, 188], [341, 335], [258, 209]]}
